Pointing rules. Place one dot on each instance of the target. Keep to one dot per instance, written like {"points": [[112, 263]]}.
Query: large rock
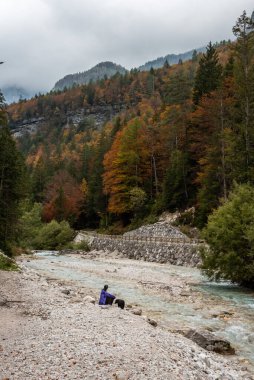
{"points": [[210, 342]]}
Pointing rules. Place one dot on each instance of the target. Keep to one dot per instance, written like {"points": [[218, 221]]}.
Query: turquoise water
{"points": [[88, 273]]}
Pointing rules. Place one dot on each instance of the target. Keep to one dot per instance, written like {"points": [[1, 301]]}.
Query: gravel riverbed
{"points": [[48, 331]]}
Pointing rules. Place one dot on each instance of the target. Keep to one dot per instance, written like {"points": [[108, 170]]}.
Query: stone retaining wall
{"points": [[184, 254]]}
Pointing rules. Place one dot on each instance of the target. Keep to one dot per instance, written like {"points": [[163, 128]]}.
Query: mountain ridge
{"points": [[170, 58], [101, 70], [97, 72]]}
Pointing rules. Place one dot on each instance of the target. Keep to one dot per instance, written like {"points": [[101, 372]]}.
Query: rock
{"points": [[210, 342], [223, 314], [251, 338], [3, 302], [66, 291], [136, 311], [75, 300], [184, 294], [205, 359], [121, 375], [89, 299], [152, 322]]}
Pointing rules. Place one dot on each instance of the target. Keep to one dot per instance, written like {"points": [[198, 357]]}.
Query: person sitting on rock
{"points": [[105, 297]]}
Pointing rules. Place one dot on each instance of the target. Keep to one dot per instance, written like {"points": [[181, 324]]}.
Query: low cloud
{"points": [[43, 40]]}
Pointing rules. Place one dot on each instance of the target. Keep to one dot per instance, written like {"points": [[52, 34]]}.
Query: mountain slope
{"points": [[109, 69], [171, 58], [95, 73]]}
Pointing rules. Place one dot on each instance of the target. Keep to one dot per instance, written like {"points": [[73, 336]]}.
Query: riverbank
{"points": [[51, 333]]}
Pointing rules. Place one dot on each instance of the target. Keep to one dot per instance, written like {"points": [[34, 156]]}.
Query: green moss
{"points": [[7, 264]]}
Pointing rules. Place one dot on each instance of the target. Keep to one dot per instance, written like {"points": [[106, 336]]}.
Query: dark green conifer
{"points": [[12, 184], [208, 75]]}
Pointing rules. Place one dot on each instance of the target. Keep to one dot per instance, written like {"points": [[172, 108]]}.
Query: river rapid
{"points": [[177, 297]]}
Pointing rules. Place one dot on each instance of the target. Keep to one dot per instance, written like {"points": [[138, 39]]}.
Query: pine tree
{"points": [[194, 56], [166, 65], [175, 193], [13, 185], [244, 74], [213, 146], [208, 75]]}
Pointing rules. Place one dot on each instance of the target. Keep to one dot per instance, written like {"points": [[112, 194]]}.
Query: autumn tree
{"points": [[63, 198], [122, 170]]}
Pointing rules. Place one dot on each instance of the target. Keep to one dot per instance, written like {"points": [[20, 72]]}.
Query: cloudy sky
{"points": [[43, 40]]}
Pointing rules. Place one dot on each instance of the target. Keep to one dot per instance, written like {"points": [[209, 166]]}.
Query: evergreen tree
{"points": [[230, 235], [179, 87], [244, 75], [12, 185], [194, 56], [3, 116], [213, 146], [208, 74], [175, 193], [166, 65]]}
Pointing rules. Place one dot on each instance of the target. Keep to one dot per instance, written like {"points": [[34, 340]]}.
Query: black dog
{"points": [[120, 303]]}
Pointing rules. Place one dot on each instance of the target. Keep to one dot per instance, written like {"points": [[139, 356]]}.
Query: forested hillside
{"points": [[100, 71], [183, 136]]}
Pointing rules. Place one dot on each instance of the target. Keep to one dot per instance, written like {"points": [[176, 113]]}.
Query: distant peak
{"points": [[97, 72]]}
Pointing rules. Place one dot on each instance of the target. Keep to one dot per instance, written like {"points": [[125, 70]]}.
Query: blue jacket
{"points": [[103, 296]]}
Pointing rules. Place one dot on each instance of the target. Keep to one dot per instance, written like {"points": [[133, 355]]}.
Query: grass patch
{"points": [[82, 246], [7, 264]]}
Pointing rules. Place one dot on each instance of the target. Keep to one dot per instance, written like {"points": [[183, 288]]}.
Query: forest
{"points": [[184, 138]]}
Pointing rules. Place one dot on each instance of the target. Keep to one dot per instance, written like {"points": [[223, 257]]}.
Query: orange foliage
{"points": [[63, 198]]}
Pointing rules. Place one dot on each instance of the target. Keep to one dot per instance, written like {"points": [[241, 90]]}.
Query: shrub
{"points": [[82, 246], [7, 264], [53, 235], [35, 234], [230, 235]]}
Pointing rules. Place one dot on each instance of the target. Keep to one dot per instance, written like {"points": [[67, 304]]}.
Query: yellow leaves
{"points": [[84, 187]]}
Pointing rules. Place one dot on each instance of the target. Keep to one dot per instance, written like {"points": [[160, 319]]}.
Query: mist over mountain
{"points": [[13, 94], [170, 58], [107, 69], [100, 71]]}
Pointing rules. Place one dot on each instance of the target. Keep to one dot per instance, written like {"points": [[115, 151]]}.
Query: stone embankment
{"points": [[159, 242]]}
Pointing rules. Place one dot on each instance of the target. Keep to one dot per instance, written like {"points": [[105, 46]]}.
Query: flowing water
{"points": [[91, 274]]}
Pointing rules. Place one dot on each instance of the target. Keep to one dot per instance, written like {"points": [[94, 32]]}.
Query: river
{"points": [[178, 297]]}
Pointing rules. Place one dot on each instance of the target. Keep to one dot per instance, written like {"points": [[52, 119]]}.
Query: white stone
{"points": [[89, 299]]}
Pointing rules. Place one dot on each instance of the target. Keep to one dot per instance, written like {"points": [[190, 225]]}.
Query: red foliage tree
{"points": [[63, 198]]}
